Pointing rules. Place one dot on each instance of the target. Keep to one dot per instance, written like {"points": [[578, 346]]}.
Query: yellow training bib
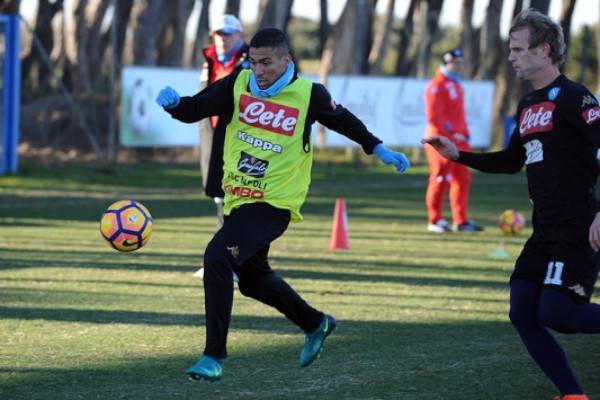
{"points": [[264, 156]]}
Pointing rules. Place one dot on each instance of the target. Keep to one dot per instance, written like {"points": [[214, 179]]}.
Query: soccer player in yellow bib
{"points": [[267, 168]]}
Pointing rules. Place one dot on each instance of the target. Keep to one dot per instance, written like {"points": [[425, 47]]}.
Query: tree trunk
{"points": [[468, 39], [378, 51], [232, 7], [172, 38], [404, 63], [586, 46], [504, 103], [566, 15], [97, 42], [347, 49], [202, 36], [10, 7], [146, 26], [275, 14], [324, 27], [122, 15], [429, 16], [33, 68], [542, 5], [492, 53]]}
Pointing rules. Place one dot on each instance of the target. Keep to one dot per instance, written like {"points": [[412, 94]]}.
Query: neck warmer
{"points": [[276, 87], [449, 74]]}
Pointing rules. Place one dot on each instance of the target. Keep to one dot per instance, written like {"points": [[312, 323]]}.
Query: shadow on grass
{"points": [[100, 316], [376, 272], [90, 208], [362, 360], [108, 260]]}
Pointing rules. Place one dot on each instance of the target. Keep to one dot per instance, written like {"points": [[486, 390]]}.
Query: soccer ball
{"points": [[511, 222], [126, 225]]}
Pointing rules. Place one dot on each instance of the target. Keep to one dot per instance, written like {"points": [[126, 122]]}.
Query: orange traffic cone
{"points": [[339, 232]]}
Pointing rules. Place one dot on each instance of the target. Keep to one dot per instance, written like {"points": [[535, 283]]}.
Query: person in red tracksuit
{"points": [[445, 112]]}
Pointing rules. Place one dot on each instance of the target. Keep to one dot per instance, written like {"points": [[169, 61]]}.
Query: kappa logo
{"points": [[577, 288], [266, 115], [259, 143], [588, 99], [234, 251]]}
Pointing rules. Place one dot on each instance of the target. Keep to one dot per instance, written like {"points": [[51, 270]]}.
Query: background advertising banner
{"points": [[392, 108], [143, 122]]}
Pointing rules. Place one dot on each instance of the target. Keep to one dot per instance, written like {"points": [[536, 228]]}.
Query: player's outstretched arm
{"points": [[443, 145]]}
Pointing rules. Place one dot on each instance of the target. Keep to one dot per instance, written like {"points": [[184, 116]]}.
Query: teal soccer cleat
{"points": [[314, 340], [207, 368]]}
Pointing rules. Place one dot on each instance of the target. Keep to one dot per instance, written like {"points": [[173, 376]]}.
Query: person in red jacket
{"points": [[228, 53], [445, 112]]}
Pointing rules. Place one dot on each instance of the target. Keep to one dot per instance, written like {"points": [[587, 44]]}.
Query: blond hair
{"points": [[542, 29]]}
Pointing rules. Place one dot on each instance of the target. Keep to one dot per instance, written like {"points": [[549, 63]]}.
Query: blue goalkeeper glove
{"points": [[391, 157], [168, 98]]}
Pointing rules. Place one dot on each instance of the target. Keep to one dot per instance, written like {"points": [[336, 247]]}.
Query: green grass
{"points": [[420, 316]]}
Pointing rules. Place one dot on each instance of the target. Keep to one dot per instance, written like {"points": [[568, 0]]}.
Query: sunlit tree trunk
{"points": [[146, 24], [89, 15], [34, 68], [171, 39], [348, 47]]}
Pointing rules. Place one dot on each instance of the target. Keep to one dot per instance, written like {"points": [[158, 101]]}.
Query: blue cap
{"points": [[228, 24], [450, 55]]}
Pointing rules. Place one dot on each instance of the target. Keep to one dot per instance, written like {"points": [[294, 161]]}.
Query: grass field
{"points": [[421, 316]]}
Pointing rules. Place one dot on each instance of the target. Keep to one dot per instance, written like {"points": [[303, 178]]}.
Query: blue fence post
{"points": [[11, 93]]}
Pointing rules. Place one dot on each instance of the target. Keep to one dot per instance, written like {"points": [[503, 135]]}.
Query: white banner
{"points": [[392, 108], [143, 122]]}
